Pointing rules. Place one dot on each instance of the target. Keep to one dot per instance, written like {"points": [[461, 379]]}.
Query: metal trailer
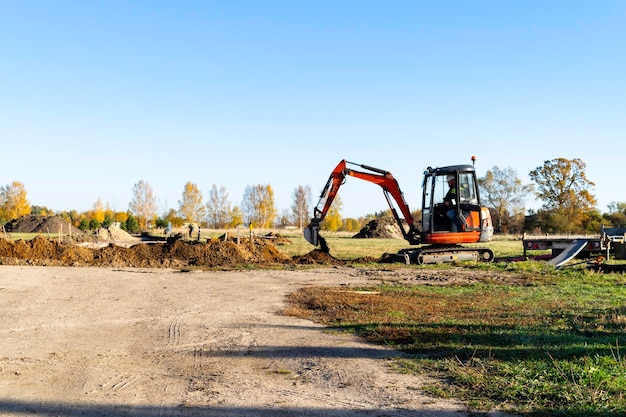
{"points": [[610, 242]]}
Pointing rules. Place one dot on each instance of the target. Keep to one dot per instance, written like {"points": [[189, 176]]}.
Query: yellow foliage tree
{"points": [[258, 205], [120, 216], [13, 201], [351, 225], [98, 211], [236, 217], [191, 207], [333, 221]]}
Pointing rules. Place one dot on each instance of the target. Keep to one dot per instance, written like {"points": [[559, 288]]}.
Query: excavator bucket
{"points": [[311, 233]]}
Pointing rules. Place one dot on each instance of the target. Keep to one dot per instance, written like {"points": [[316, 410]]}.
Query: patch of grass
{"points": [[343, 246], [29, 236], [554, 347]]}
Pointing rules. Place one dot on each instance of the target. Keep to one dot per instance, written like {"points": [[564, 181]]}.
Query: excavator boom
{"points": [[383, 178]]}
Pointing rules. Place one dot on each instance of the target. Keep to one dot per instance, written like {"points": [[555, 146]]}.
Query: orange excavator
{"points": [[451, 213]]}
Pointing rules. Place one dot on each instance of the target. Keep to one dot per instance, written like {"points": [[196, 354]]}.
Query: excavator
{"points": [[451, 213]]}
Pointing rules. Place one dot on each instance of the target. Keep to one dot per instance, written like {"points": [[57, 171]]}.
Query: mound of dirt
{"points": [[317, 257], [178, 254], [41, 224], [277, 239], [385, 228], [113, 233]]}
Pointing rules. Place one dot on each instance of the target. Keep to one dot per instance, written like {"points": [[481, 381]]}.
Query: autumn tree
{"points": [[617, 213], [218, 208], [41, 211], [562, 185], [503, 192], [351, 225], [120, 217], [300, 207], [143, 205], [172, 217], [191, 207], [258, 205], [236, 217], [98, 211], [73, 217], [333, 221], [13, 202]]}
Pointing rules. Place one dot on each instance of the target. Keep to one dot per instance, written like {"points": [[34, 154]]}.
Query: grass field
{"points": [[343, 246], [550, 347]]}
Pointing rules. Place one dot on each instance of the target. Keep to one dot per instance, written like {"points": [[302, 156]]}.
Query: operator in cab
{"points": [[450, 201]]}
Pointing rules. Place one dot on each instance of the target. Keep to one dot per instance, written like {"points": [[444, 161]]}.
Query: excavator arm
{"points": [[383, 178]]}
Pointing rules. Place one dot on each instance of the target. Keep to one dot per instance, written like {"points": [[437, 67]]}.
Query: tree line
{"points": [[568, 205]]}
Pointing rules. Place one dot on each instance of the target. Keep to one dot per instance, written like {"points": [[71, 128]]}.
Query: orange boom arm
{"points": [[383, 178]]}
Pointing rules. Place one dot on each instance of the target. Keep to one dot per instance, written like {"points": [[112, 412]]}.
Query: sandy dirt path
{"points": [[147, 342]]}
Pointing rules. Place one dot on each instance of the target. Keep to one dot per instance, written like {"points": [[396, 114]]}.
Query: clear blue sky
{"points": [[97, 95]]}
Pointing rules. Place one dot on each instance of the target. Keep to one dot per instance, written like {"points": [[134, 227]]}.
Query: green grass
{"points": [[550, 347], [29, 236], [343, 246]]}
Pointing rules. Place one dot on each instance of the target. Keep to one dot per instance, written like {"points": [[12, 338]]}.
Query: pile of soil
{"points": [[112, 233], [176, 254], [179, 254], [385, 228], [41, 224], [317, 257], [277, 239]]}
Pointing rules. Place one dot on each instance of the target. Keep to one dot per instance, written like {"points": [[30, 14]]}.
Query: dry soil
{"points": [[107, 341]]}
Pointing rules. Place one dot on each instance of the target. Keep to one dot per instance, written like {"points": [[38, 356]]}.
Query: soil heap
{"points": [[113, 233], [385, 228], [41, 224], [177, 254]]}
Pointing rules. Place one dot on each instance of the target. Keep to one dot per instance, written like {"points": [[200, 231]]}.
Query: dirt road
{"points": [[158, 342]]}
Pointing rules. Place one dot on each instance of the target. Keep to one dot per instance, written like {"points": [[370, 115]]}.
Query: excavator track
{"points": [[444, 254]]}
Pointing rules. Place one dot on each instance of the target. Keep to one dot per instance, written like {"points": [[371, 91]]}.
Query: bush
{"points": [[132, 225]]}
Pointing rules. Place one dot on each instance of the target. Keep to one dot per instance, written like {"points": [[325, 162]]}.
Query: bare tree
{"points": [[143, 205], [301, 204], [504, 193], [218, 207], [191, 207]]}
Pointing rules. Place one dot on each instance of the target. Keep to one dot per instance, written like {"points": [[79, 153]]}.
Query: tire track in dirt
{"points": [[121, 382], [174, 332]]}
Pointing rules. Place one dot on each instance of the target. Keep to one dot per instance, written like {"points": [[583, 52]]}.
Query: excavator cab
{"points": [[451, 211]]}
